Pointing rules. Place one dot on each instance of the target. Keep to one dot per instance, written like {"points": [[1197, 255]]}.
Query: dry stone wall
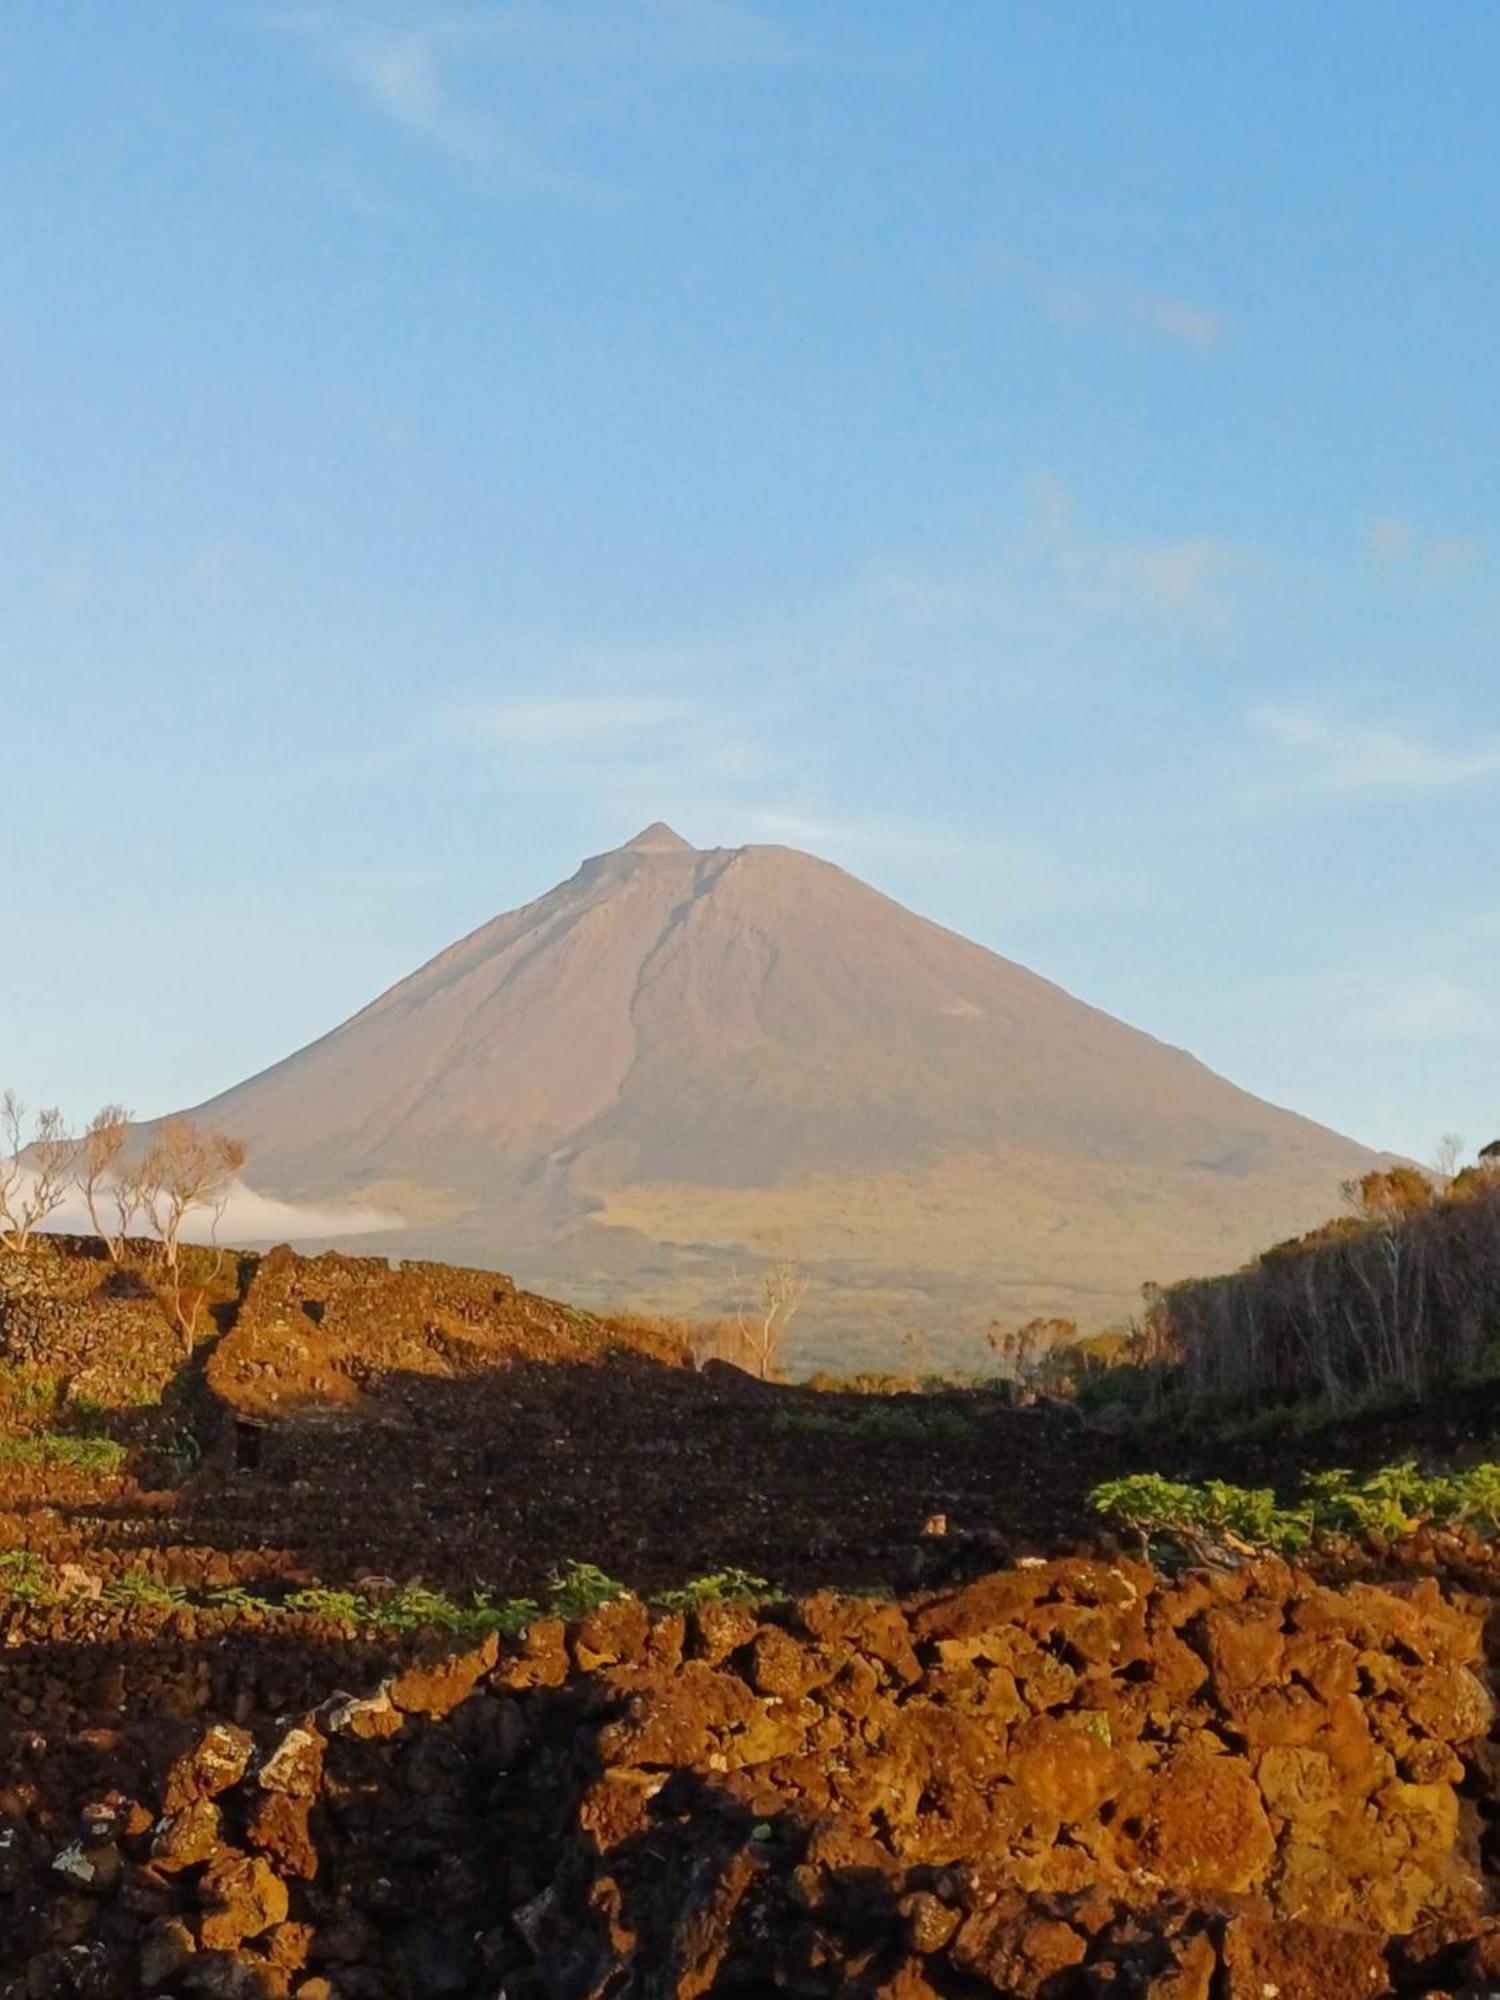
{"points": [[1071, 1778]]}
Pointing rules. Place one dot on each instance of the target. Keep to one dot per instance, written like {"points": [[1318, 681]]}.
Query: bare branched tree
{"points": [[98, 1170], [36, 1166], [183, 1170], [1446, 1158], [1025, 1349], [764, 1319]]}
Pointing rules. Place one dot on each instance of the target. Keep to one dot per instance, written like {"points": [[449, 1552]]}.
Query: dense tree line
{"points": [[1403, 1291]]}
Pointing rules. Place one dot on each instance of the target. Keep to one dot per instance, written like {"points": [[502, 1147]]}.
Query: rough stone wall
{"points": [[318, 1332], [1069, 1779], [71, 1314]]}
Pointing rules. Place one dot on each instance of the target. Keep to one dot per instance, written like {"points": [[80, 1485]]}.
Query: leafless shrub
{"points": [[181, 1171], [764, 1318], [1026, 1350], [36, 1165], [97, 1172], [1447, 1156]]}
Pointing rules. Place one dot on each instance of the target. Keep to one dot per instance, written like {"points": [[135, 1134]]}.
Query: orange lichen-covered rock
{"points": [[437, 1684], [241, 1896], [1301, 1961], [1197, 1822]]}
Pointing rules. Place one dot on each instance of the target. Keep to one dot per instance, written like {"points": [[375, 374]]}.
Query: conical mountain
{"points": [[681, 1061]]}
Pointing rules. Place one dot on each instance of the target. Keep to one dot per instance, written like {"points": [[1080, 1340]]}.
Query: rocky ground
{"points": [[1069, 1778], [964, 1747]]}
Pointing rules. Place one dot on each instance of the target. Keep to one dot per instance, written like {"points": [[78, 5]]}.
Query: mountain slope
{"points": [[681, 1057]]}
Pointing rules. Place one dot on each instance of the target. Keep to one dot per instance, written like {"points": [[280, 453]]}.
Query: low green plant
{"points": [[1479, 1489], [1200, 1517], [577, 1588], [414, 1608], [346, 1608], [1392, 1502], [26, 1577], [237, 1599], [720, 1586], [139, 1587], [510, 1617]]}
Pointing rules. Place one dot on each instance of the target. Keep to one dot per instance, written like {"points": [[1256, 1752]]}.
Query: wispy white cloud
{"points": [[1395, 541], [626, 750], [578, 721], [1319, 758], [1021, 878], [1179, 575], [863, 835], [1389, 537], [1180, 322], [510, 87]]}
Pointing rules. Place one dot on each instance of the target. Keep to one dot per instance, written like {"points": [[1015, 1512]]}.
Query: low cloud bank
{"points": [[251, 1217], [247, 1216]]}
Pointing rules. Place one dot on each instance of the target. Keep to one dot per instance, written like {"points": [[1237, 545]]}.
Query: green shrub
{"points": [[510, 1617], [817, 1423], [721, 1586], [891, 1423], [1392, 1502], [26, 1577], [237, 1599], [333, 1607], [901, 1423], [1198, 1516], [139, 1587], [578, 1588]]}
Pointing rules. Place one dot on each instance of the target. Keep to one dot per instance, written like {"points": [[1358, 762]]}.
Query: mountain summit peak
{"points": [[658, 838], [679, 1052]]}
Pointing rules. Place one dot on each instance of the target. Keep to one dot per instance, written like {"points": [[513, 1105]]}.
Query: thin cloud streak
{"points": [[624, 753], [1178, 321], [1325, 760], [576, 721], [1395, 542], [497, 87], [1180, 576]]}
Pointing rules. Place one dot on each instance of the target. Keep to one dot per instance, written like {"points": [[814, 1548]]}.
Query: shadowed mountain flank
{"points": [[682, 1060]]}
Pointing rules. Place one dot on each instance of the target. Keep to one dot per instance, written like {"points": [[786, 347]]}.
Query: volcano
{"points": [[683, 1061]]}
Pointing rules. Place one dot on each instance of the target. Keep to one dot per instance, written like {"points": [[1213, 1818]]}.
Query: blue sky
{"points": [[1040, 457]]}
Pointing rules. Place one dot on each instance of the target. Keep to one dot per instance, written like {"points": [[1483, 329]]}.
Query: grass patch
{"points": [[27, 1389], [882, 1423], [25, 1577], [66, 1449]]}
